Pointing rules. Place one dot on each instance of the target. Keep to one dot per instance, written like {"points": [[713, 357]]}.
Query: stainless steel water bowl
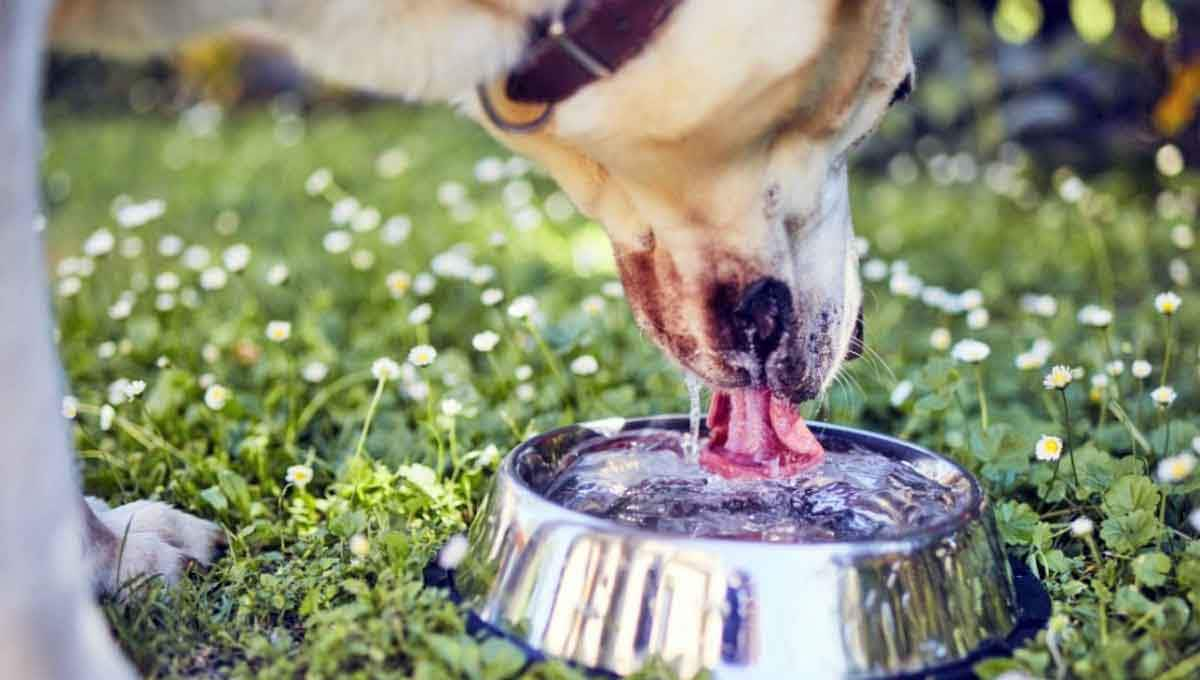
{"points": [[610, 597]]}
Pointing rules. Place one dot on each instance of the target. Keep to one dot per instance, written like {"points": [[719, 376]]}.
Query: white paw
{"points": [[152, 539]]}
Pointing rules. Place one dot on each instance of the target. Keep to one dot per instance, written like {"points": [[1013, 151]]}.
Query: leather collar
{"points": [[589, 40]]}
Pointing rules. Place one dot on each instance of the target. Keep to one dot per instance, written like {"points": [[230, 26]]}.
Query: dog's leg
{"points": [[51, 625]]}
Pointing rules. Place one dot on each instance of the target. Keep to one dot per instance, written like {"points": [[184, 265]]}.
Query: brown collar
{"points": [[589, 40]]}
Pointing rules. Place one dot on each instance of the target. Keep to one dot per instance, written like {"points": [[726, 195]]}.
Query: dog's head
{"points": [[716, 160]]}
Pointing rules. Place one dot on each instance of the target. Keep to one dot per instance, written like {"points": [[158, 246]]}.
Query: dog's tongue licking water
{"points": [[756, 435]]}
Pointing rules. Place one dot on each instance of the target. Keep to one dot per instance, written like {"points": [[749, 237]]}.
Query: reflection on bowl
{"points": [[608, 596]]}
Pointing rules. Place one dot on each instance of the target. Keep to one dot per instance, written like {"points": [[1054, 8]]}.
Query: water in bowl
{"points": [[646, 480]]}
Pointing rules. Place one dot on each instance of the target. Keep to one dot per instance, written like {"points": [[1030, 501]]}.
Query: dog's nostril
{"points": [[763, 313]]}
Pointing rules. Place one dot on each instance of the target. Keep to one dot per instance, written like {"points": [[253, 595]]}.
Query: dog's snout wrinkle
{"points": [[763, 314]]}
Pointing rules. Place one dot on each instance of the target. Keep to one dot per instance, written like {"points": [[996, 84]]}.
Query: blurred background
{"points": [[1090, 83]]}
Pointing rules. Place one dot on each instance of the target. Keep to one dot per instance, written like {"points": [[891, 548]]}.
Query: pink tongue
{"points": [[755, 435]]}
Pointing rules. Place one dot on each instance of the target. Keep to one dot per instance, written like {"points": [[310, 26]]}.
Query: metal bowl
{"points": [[609, 597]]}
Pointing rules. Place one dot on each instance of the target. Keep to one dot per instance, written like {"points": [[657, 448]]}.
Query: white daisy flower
{"points": [[1115, 367], [314, 371], [396, 230], [168, 281], [236, 257], [278, 274], [452, 264], [107, 349], [420, 314], [398, 283], [132, 247], [451, 193], [1095, 316], [483, 275], [298, 475], [527, 219], [491, 297], [170, 245], [337, 241], [69, 286], [343, 210], [585, 365], [978, 318], [213, 278], [1167, 303], [970, 299], [592, 305], [107, 415], [613, 289], [970, 351], [279, 331], [385, 368], [901, 393], [1058, 378], [100, 243], [216, 396], [1194, 519], [422, 355], [485, 341], [940, 339], [1163, 396], [318, 182], [196, 257], [523, 307], [517, 194], [206, 380], [210, 353], [451, 407], [1042, 346], [1039, 305], [162, 362], [1183, 236], [164, 302], [525, 392], [365, 220], [1049, 448], [489, 170], [1141, 369], [417, 390], [1082, 526], [360, 547], [523, 372], [424, 284], [1030, 361], [1100, 380], [70, 407], [362, 259], [874, 270], [905, 284], [392, 163], [133, 215], [1175, 469], [453, 553]]}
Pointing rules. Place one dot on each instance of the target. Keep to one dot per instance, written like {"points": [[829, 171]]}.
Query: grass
{"points": [[323, 579]]}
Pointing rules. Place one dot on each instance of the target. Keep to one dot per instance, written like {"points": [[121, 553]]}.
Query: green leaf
{"points": [[213, 496], [236, 489], [1017, 522], [501, 659], [1126, 533], [1151, 569], [170, 394], [1131, 493]]}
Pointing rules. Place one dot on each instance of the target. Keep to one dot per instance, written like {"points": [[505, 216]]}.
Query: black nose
{"points": [[763, 313]]}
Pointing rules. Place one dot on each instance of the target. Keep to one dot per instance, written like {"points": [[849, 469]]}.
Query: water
{"points": [[644, 480], [691, 447]]}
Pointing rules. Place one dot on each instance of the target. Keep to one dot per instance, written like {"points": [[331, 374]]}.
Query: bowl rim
{"points": [[970, 511]]}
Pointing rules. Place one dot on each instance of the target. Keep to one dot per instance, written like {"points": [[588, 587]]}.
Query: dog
{"points": [[709, 138]]}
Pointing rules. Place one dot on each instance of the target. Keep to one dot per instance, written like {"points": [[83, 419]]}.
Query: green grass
{"points": [[291, 599]]}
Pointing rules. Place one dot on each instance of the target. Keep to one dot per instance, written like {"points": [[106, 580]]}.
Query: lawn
{"points": [[421, 236]]}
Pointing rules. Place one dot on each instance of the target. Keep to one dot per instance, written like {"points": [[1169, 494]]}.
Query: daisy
{"points": [[70, 407], [196, 258], [1095, 316], [940, 339], [1048, 448], [1030, 361], [216, 396], [344, 210], [1082, 526], [523, 372], [874, 270], [422, 355], [491, 297], [314, 371], [525, 392], [398, 283], [107, 415], [210, 353], [170, 245], [559, 207], [485, 341], [417, 390], [970, 351], [1115, 367], [592, 305], [236, 257], [1141, 369], [978, 318], [613, 289], [1167, 303], [213, 278], [132, 247], [360, 547], [1058, 378], [167, 281], [164, 302], [970, 299], [483, 275], [1183, 236], [69, 286], [451, 407], [523, 307], [366, 220], [489, 170], [100, 243], [299, 475], [278, 274], [420, 314], [392, 163], [279, 331], [396, 230], [900, 393], [452, 554], [337, 241], [318, 181], [585, 365], [1163, 396], [362, 259], [424, 283], [385, 368], [1174, 469]]}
